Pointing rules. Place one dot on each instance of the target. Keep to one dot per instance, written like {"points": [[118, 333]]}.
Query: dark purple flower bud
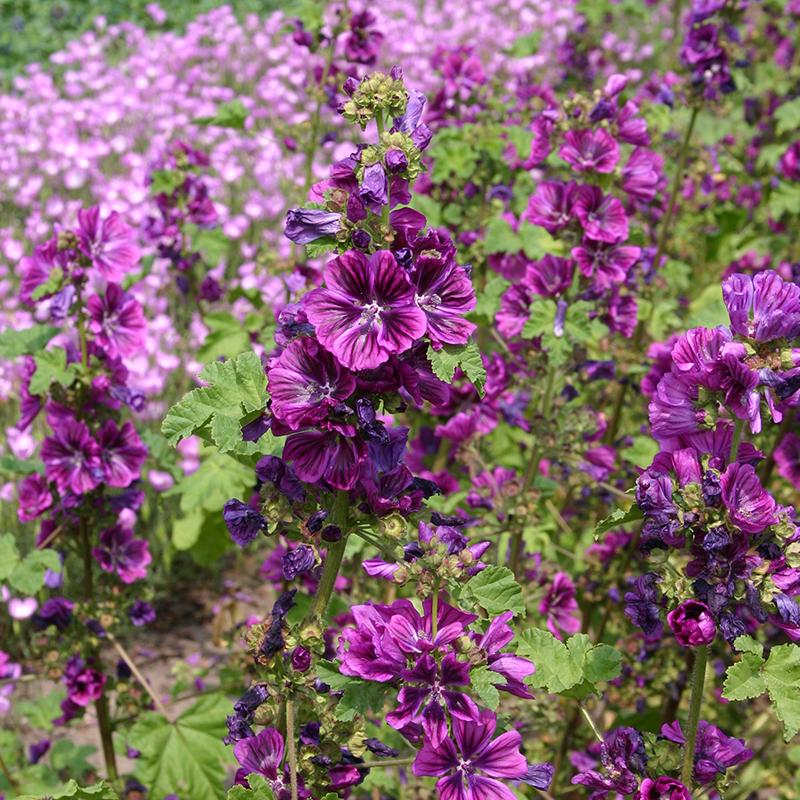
{"points": [[243, 521], [210, 289], [309, 734], [380, 749], [315, 521], [374, 191], [396, 73], [298, 562], [304, 225], [692, 624], [396, 160], [603, 110], [447, 519], [361, 239], [654, 494], [350, 85], [643, 605], [301, 659], [331, 533], [55, 611], [253, 431], [421, 137], [37, 750], [124, 672], [247, 704], [238, 729], [96, 628], [141, 613]]}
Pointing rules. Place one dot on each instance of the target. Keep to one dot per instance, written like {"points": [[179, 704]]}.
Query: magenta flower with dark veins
{"points": [[305, 382], [108, 242], [84, 685], [72, 458], [36, 269], [513, 668], [445, 294], [787, 459], [117, 321], [320, 454], [119, 552], [367, 311], [673, 410], [663, 788], [551, 205], [429, 693], [602, 216], [762, 306], [34, 497], [262, 754], [470, 765], [751, 507], [550, 276], [640, 176], [606, 264], [590, 150], [515, 309], [559, 605], [715, 752], [692, 624], [121, 453]]}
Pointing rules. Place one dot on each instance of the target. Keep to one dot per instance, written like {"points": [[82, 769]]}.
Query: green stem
{"points": [[596, 732], [696, 700], [9, 777], [104, 724], [435, 612], [82, 334], [313, 138], [387, 762], [333, 559], [291, 745]]}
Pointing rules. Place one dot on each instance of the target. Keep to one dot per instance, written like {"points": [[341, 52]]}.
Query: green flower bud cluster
{"points": [[376, 94], [376, 153]]}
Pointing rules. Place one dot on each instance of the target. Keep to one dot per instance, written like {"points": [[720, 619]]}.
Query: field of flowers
{"points": [[400, 400]]}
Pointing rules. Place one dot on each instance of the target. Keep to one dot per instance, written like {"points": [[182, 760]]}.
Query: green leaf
{"points": [[52, 367], [237, 387], [617, 519], [496, 590], [166, 181], [50, 286], [9, 555], [218, 478], [98, 791], [785, 199], [328, 671], [41, 712], [488, 300], [27, 576], [782, 677], [13, 466], [320, 247], [211, 243], [575, 667], [540, 321], [537, 242], [259, 789], [500, 237], [466, 356], [484, 681], [232, 114], [743, 680], [187, 757], [226, 337], [360, 697], [787, 117], [25, 342]]}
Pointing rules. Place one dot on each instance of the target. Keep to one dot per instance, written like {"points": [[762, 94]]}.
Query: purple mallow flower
{"points": [[306, 382], [119, 552], [72, 458], [243, 521], [84, 685], [56, 611], [117, 321], [367, 310], [692, 624], [749, 505], [590, 151], [762, 306], [663, 788], [141, 613], [108, 242], [34, 497], [262, 754], [470, 766], [121, 453], [560, 606]]}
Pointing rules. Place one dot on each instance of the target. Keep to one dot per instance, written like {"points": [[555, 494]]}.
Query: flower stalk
{"points": [[695, 701]]}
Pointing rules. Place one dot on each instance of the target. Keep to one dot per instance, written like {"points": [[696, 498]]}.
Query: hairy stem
{"points": [[125, 656], [387, 762], [291, 745], [333, 560], [696, 700]]}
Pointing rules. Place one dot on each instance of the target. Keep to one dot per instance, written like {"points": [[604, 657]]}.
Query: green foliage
{"points": [[259, 789], [785, 199], [25, 574], [574, 669], [787, 117], [186, 757], [52, 367], [617, 519], [232, 114], [166, 181], [25, 342], [466, 356], [237, 387], [496, 590], [211, 243], [484, 682], [488, 300], [41, 712], [778, 675], [226, 337], [98, 791], [579, 329]]}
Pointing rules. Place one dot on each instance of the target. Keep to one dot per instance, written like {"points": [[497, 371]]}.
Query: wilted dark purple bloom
{"points": [[55, 611], [243, 521], [643, 605], [304, 225], [37, 750], [247, 704], [141, 613], [301, 659], [374, 191], [298, 561]]}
